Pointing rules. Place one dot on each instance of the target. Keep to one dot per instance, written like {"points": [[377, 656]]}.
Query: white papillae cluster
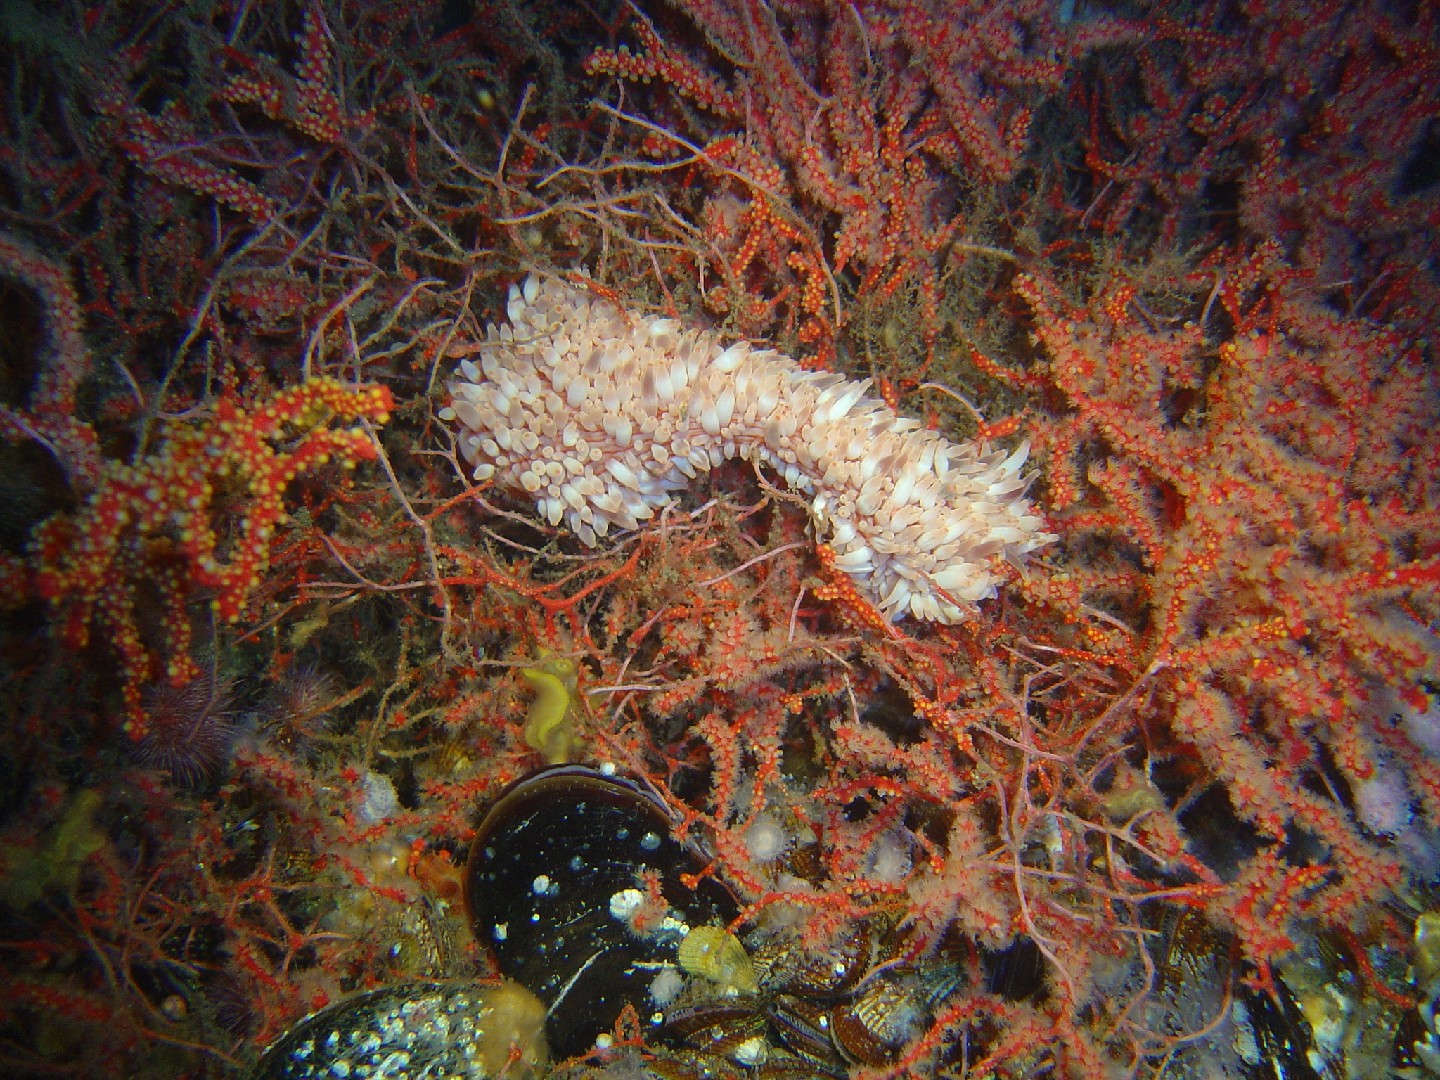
{"points": [[601, 415]]}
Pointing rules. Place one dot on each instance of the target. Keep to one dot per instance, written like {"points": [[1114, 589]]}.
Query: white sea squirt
{"points": [[601, 415]]}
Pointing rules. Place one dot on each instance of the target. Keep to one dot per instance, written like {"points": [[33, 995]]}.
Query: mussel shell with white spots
{"points": [[545, 864]]}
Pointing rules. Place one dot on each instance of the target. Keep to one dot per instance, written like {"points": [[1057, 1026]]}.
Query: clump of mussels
{"points": [[594, 911], [576, 884]]}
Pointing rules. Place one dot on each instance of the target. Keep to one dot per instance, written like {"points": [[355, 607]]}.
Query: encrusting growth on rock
{"points": [[602, 414]]}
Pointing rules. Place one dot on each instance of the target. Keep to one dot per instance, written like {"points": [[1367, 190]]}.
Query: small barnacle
{"points": [[716, 954], [550, 724]]}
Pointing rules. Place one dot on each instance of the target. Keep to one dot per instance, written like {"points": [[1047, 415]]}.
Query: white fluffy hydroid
{"points": [[601, 415]]}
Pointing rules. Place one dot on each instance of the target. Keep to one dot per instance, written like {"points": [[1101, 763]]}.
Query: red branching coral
{"points": [[1173, 794], [1277, 488], [192, 519]]}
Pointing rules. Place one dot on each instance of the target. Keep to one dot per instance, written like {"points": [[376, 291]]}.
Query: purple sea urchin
{"points": [[189, 728]]}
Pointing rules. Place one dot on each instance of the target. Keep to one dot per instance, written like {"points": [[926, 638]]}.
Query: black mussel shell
{"points": [[413, 1030], [550, 871]]}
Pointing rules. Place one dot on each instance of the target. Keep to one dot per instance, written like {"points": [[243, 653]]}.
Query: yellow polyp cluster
{"points": [[512, 1032], [56, 861], [550, 723], [714, 953], [1427, 948]]}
